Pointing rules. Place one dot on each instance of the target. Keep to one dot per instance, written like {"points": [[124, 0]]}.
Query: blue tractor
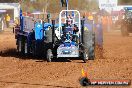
{"points": [[31, 35], [69, 39], [126, 23], [66, 39]]}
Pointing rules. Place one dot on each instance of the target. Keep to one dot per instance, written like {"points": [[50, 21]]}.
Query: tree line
{"points": [[54, 5]]}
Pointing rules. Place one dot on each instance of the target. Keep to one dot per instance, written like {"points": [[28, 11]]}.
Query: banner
{"points": [[107, 5]]}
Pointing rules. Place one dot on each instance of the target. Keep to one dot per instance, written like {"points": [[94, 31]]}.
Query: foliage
{"points": [[55, 5], [125, 2], [8, 1]]}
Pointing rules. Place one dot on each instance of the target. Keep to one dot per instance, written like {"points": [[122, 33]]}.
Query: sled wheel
{"points": [[84, 81]]}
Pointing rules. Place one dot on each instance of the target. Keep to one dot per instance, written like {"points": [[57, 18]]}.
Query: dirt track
{"points": [[22, 72]]}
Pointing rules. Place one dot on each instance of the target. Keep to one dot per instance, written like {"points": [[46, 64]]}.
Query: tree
{"points": [[53, 6], [8, 1], [125, 2]]}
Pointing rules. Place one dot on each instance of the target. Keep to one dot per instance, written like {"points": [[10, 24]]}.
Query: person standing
{"points": [[7, 20]]}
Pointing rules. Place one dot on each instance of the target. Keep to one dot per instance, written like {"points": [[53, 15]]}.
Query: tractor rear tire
{"points": [[26, 48], [91, 50], [89, 44], [23, 46], [33, 49], [19, 45]]}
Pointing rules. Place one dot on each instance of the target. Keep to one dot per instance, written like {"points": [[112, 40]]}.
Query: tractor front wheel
{"points": [[85, 57], [49, 55]]}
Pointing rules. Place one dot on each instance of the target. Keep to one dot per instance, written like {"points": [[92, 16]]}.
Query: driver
{"points": [[69, 21]]}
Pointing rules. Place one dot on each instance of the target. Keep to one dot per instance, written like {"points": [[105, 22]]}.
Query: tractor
{"points": [[31, 37], [126, 23], [66, 39], [70, 40]]}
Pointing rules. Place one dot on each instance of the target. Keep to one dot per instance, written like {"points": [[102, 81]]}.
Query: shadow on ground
{"points": [[13, 53], [37, 84]]}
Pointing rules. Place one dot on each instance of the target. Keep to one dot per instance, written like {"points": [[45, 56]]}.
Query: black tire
{"points": [[19, 48], [26, 48], [33, 49], [49, 55], [89, 44], [20, 45], [85, 57], [38, 48], [23, 45], [91, 51], [84, 81]]}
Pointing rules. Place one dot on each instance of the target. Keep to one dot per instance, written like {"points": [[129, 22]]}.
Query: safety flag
{"points": [[84, 74]]}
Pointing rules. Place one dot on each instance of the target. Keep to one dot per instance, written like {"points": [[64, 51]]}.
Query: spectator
{"points": [[7, 20]]}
